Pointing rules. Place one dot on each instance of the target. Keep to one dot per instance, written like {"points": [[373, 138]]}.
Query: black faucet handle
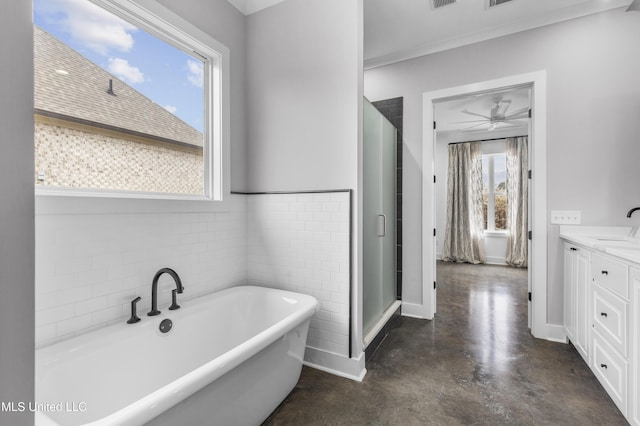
{"points": [[134, 317], [174, 300]]}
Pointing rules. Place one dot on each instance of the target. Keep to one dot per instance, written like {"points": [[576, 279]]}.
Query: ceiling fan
{"points": [[497, 115]]}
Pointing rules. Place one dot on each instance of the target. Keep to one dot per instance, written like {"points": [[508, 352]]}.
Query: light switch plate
{"points": [[566, 217]]}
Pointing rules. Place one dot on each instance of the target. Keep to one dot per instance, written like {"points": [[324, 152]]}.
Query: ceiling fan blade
{"points": [[474, 126], [469, 121], [504, 124], [476, 114], [518, 117], [523, 112]]}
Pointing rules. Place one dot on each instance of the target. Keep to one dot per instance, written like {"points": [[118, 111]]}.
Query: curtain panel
{"points": [[517, 201], [464, 234]]}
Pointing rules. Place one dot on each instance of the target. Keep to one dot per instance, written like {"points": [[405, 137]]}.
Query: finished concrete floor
{"points": [[476, 363]]}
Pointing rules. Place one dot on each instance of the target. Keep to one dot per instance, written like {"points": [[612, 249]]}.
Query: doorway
{"points": [[494, 128], [537, 207]]}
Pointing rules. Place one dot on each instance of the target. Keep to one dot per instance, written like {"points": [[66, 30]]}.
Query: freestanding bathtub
{"points": [[230, 358]]}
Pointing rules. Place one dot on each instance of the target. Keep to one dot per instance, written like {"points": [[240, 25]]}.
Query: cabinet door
{"points": [[569, 291], [582, 289], [634, 401], [612, 371]]}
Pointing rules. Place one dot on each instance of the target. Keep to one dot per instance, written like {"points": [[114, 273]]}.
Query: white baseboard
{"points": [[496, 260], [339, 365], [555, 333], [412, 310]]}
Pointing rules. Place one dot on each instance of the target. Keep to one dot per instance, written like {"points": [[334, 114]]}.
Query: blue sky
{"points": [[164, 74], [500, 169]]}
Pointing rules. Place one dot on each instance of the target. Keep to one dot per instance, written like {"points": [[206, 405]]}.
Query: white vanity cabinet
{"points": [[576, 297], [610, 320], [634, 388], [602, 313]]}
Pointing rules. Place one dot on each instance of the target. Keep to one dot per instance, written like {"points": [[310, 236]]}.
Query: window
{"points": [[127, 101], [494, 191]]}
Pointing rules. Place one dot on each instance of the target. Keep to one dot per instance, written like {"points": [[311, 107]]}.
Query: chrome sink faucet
{"points": [[154, 290]]}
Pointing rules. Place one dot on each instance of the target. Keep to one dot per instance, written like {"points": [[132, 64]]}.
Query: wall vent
{"points": [[440, 3], [498, 2]]}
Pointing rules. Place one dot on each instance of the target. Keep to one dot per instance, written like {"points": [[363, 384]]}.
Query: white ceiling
{"points": [[402, 29]]}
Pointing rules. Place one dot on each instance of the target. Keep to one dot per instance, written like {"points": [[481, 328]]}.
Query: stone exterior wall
{"points": [[77, 158]]}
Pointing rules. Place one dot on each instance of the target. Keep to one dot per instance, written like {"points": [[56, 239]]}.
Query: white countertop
{"points": [[619, 241]]}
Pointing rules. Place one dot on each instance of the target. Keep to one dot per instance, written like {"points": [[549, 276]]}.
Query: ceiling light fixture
{"points": [[634, 6]]}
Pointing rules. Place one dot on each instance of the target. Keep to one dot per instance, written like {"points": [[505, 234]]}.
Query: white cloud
{"points": [[196, 73], [88, 24], [171, 108], [122, 69]]}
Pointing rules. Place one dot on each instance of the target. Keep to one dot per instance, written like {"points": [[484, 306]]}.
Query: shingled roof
{"points": [[82, 94]]}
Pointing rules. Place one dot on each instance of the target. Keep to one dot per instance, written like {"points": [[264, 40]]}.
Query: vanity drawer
{"points": [[611, 370], [610, 274], [609, 316]]}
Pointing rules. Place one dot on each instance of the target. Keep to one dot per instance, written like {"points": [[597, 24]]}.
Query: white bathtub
{"points": [[230, 359]]}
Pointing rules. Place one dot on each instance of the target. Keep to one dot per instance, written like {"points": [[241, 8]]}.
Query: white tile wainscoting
{"points": [[90, 266], [300, 242]]}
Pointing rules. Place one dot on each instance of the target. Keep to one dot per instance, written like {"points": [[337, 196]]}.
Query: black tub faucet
{"points": [[154, 289], [630, 212]]}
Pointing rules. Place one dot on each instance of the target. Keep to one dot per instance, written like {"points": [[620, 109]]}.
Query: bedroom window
{"points": [[494, 191], [127, 102]]}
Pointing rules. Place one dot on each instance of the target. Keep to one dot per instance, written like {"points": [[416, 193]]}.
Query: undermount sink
{"points": [[623, 242], [616, 241]]}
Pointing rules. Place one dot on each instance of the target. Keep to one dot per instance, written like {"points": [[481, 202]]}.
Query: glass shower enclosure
{"points": [[379, 221]]}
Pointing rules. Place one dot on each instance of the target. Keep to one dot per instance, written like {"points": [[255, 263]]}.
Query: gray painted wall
{"points": [[304, 103], [304, 92], [16, 212], [593, 122], [228, 26]]}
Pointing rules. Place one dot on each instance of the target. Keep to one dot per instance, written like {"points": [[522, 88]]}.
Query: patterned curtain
{"points": [[517, 201], [464, 234]]}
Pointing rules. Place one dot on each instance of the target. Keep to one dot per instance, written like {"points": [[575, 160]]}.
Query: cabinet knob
{"points": [[605, 272], [603, 366], [573, 249], [603, 314]]}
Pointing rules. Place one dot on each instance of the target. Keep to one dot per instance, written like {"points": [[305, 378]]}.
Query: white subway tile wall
{"points": [[90, 267], [300, 242]]}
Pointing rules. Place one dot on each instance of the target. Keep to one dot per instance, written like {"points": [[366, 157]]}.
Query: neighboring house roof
{"points": [[82, 94]]}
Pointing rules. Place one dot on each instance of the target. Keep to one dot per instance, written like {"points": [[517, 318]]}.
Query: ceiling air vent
{"points": [[498, 2], [440, 3]]}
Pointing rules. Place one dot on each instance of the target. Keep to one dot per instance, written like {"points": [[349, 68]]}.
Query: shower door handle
{"points": [[382, 225]]}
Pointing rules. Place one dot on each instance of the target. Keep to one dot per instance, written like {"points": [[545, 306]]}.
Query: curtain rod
{"points": [[488, 140]]}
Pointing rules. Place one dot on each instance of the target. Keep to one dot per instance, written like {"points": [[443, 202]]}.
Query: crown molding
{"points": [[248, 7]]}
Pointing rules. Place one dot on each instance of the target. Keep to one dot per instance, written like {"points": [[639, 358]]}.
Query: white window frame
{"points": [[156, 19], [491, 150]]}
